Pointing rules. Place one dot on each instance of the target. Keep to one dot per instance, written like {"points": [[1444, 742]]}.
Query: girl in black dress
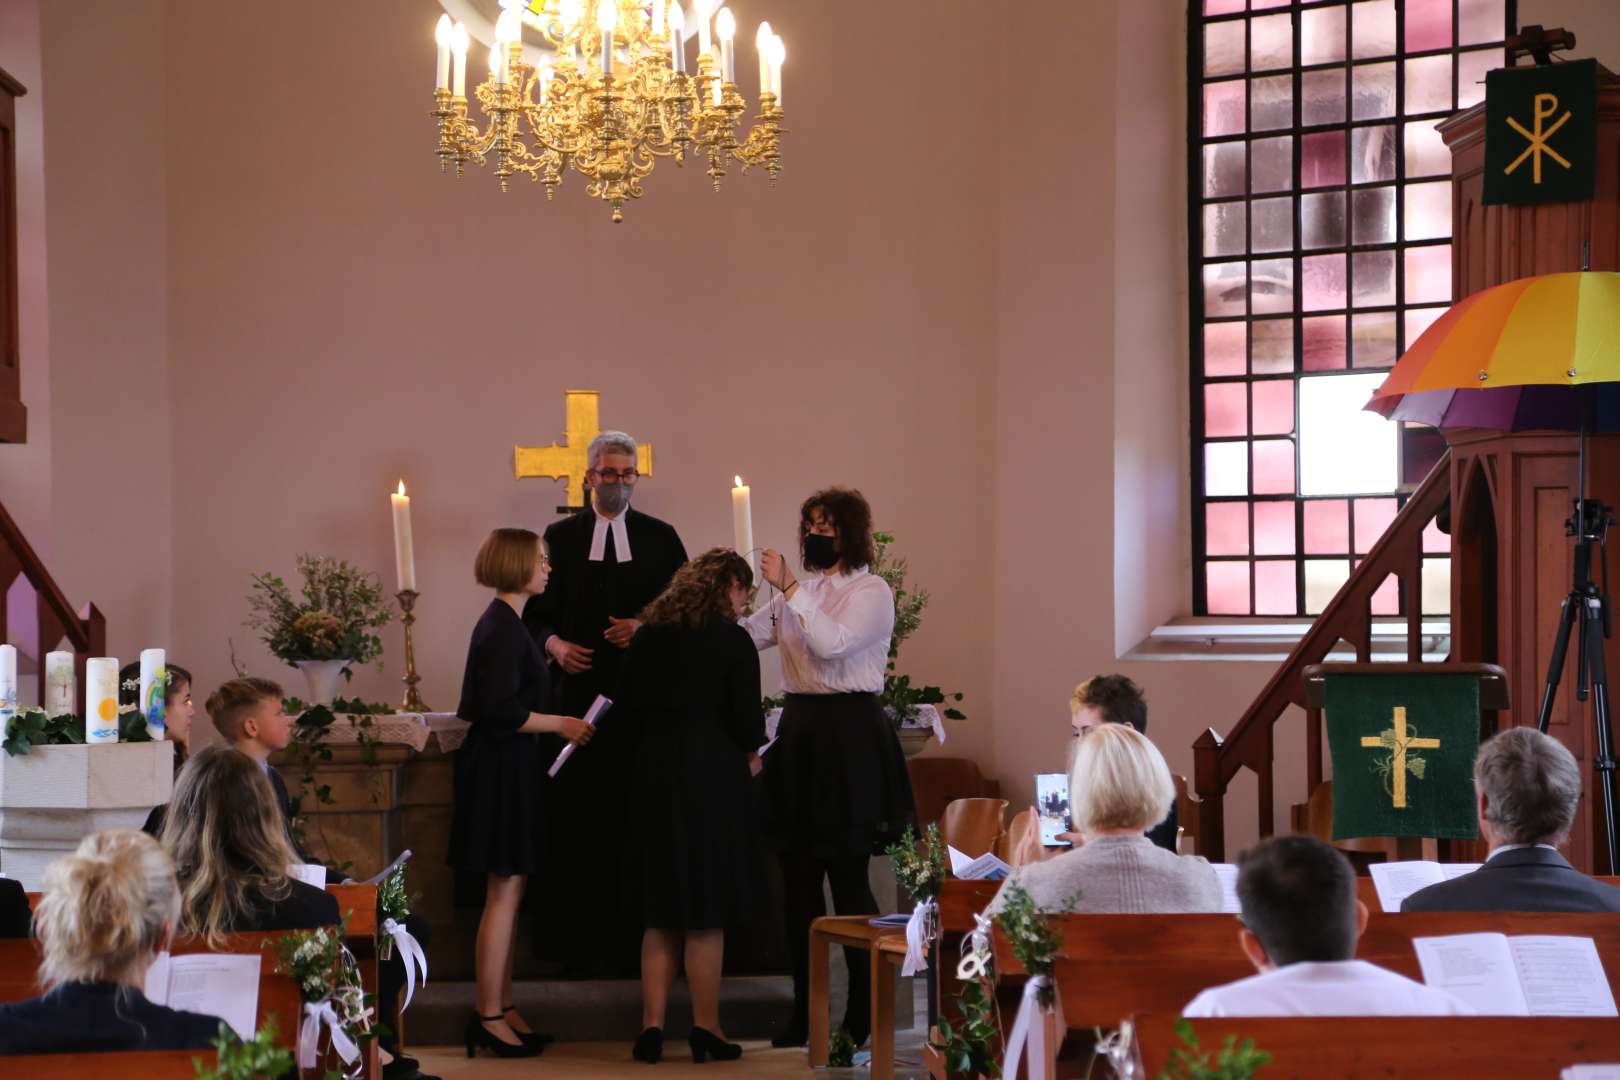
{"points": [[689, 689], [495, 828]]}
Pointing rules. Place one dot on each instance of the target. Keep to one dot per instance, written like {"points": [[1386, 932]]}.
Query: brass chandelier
{"points": [[610, 98]]}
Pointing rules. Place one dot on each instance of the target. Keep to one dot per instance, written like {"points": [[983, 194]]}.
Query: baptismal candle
{"points": [[404, 550], [61, 684], [742, 521], [8, 677], [154, 698], [101, 699]]}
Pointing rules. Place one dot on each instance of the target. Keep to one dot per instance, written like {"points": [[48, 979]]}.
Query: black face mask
{"points": [[820, 552]]}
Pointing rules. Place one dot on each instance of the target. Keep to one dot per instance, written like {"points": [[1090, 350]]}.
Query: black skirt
{"points": [[836, 782], [497, 820]]}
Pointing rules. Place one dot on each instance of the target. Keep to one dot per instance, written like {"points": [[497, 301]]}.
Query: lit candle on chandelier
{"points": [[762, 42], [658, 18], [677, 41], [441, 36], [569, 14], [778, 58], [507, 31], [607, 17], [701, 9], [715, 88], [458, 45], [725, 26]]}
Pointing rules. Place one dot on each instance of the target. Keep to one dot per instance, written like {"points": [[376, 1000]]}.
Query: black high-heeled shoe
{"points": [[537, 1039], [480, 1037], [649, 1046], [706, 1044]]}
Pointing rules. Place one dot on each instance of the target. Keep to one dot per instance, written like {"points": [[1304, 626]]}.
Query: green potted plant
{"points": [[904, 703], [332, 627]]}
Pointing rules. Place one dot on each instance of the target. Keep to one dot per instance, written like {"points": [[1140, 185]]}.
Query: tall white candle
{"points": [[458, 45], [778, 58], [762, 42], [701, 9], [441, 37], [8, 683], [101, 699], [404, 549], [607, 17], [154, 691], [61, 684], [725, 25], [677, 40], [742, 521], [658, 17]]}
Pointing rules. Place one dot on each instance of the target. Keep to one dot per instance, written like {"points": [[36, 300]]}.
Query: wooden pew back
{"points": [[124, 1064]]}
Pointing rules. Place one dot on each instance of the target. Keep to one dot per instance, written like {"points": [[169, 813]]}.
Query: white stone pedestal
{"points": [[54, 796]]}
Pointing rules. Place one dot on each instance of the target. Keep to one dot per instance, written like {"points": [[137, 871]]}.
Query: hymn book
{"points": [[986, 867], [1523, 975], [1227, 873], [1395, 881], [225, 985]]}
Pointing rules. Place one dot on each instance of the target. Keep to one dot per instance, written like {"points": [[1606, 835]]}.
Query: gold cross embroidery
{"points": [[1545, 106], [1396, 740], [568, 461]]}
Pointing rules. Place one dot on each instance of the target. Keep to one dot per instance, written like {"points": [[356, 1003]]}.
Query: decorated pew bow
{"points": [[410, 952]]}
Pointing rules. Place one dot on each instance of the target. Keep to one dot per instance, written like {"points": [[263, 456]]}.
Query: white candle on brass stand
{"points": [[742, 523], [404, 549], [61, 684], [101, 699]]}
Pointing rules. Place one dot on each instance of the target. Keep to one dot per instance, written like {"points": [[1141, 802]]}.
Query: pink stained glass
{"points": [[1223, 108], [1471, 69], [1273, 406], [1227, 588], [1226, 410], [1321, 97], [1273, 347], [1226, 288], [1274, 528], [1426, 153], [1372, 340], [1226, 348], [1372, 154], [1372, 30], [1324, 282], [1261, 5], [1428, 84], [1274, 590], [1324, 343], [1321, 36], [1372, 91], [1321, 159], [1323, 579], [1272, 162], [1271, 42], [1225, 228], [1322, 219], [1428, 211], [1273, 467], [1222, 7], [1372, 215], [1428, 25], [1372, 518], [1480, 21], [1428, 274], [1417, 320], [1223, 169], [1226, 528], [1271, 225], [1271, 286], [1372, 279], [1435, 542], [1223, 48], [1386, 599], [1327, 526], [1271, 102]]}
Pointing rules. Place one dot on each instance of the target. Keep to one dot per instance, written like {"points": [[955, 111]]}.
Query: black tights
{"points": [[802, 874]]}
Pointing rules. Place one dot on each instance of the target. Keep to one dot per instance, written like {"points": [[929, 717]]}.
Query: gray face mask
{"points": [[611, 499]]}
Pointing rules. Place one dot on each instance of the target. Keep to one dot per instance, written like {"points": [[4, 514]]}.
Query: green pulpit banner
{"points": [[1403, 751], [1541, 133]]}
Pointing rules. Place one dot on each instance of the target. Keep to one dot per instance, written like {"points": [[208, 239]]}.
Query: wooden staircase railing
{"points": [[86, 632], [1348, 617]]}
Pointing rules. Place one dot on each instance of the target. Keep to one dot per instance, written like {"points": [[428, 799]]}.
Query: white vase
{"points": [[322, 677]]}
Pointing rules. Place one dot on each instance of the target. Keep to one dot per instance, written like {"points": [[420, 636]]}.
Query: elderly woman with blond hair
{"points": [[1120, 788]]}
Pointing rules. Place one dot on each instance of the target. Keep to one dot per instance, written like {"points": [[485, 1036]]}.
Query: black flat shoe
{"points": [[793, 1034], [706, 1044], [649, 1046], [537, 1039], [480, 1037]]}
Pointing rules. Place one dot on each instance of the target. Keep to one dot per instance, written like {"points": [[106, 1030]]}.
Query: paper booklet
{"points": [[308, 873], [985, 868], [389, 869], [1591, 1072], [1523, 975], [1228, 873], [225, 985], [598, 707], [1395, 881]]}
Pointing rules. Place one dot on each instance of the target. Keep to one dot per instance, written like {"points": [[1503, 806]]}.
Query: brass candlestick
{"points": [[413, 700]]}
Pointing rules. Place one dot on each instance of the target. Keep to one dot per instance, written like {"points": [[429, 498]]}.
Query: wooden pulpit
{"points": [[1511, 493]]}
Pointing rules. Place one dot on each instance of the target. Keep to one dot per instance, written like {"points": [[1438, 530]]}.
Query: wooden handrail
{"points": [[1347, 617], [56, 619]]}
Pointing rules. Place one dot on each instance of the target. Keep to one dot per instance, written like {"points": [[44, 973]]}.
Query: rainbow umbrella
{"points": [[1536, 354]]}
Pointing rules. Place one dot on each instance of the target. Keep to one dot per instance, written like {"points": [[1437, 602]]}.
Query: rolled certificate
{"points": [[101, 699], [154, 690], [598, 707], [61, 684]]}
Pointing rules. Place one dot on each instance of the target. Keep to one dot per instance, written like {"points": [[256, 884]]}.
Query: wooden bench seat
{"points": [[123, 1064]]}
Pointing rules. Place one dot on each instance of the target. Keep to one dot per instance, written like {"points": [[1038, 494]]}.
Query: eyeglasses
{"points": [[614, 476]]}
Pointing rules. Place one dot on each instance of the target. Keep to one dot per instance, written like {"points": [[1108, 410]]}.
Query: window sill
{"points": [[1272, 640]]}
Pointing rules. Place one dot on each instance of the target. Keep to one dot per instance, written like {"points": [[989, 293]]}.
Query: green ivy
{"points": [[968, 1045], [251, 1059], [309, 748], [900, 699], [1233, 1061], [28, 728], [919, 868]]}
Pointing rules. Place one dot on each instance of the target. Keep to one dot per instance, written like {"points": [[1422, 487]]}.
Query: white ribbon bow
{"points": [[919, 933], [1028, 1030], [410, 954], [316, 1015]]}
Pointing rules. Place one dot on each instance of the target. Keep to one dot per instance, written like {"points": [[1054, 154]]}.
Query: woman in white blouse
{"points": [[835, 781]]}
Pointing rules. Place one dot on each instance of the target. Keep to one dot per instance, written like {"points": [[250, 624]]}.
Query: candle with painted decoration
{"points": [[404, 548], [441, 37], [8, 680], [61, 684], [101, 700], [154, 697], [742, 520]]}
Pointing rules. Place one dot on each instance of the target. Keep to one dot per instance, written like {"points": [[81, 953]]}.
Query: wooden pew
{"points": [[1481, 1048], [126, 1065]]}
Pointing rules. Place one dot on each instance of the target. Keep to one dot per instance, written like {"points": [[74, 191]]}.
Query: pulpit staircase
{"points": [[1348, 618], [54, 621]]}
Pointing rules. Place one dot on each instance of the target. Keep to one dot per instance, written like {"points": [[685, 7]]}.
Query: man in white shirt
{"points": [[1301, 921]]}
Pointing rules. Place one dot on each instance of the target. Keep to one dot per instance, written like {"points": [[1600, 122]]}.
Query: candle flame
{"points": [[401, 487], [739, 480]]}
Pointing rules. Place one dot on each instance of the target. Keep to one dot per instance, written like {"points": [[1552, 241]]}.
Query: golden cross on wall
{"points": [[567, 461], [1397, 741]]}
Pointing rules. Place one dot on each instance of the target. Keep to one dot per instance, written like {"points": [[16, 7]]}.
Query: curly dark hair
{"points": [[1116, 697], [697, 594], [851, 516]]}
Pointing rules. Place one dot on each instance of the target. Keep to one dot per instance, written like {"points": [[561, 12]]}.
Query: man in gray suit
{"points": [[1527, 785]]}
